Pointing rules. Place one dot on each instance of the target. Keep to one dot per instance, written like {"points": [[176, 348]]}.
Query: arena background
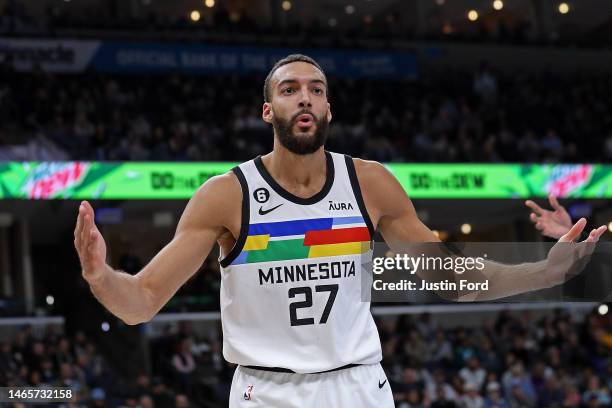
{"points": [[474, 105]]}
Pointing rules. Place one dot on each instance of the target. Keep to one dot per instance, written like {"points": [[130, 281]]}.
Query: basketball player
{"points": [[294, 227]]}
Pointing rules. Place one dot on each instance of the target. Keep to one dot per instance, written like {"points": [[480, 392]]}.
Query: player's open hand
{"points": [[89, 244], [568, 257], [553, 224]]}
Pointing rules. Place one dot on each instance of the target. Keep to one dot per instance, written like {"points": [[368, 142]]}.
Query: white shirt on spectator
{"points": [[476, 377]]}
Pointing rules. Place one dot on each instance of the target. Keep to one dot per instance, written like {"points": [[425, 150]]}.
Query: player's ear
{"points": [[329, 114], [267, 113]]}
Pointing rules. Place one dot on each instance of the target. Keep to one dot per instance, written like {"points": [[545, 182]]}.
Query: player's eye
{"points": [[318, 91], [287, 91]]}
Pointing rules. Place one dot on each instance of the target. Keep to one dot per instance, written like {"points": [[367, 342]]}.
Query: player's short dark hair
{"points": [[288, 60]]}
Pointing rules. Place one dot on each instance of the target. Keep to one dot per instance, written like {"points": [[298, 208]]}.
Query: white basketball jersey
{"points": [[291, 286]]}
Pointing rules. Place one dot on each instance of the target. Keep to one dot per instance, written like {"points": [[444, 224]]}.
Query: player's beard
{"points": [[300, 144]]}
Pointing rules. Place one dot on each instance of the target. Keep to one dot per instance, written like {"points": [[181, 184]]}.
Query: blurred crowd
{"points": [[512, 360], [446, 116], [237, 23], [51, 359]]}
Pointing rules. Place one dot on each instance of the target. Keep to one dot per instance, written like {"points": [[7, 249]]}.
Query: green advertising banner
{"points": [[504, 180], [94, 180]]}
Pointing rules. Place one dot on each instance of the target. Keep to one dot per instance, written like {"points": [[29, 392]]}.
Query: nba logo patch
{"points": [[247, 393]]}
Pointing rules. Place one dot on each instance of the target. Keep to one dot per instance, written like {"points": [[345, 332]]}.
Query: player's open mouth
{"points": [[305, 120]]}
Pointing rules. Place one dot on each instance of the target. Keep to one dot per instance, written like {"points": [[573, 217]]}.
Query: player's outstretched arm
{"points": [[393, 213], [137, 298]]}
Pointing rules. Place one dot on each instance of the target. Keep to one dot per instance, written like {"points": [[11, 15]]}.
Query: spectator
{"points": [[441, 399], [473, 373], [596, 391], [98, 397], [438, 385], [494, 398], [517, 383], [181, 401], [441, 351], [184, 364], [146, 402], [412, 399], [471, 398]]}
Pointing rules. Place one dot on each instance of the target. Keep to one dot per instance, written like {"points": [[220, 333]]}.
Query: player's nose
{"points": [[304, 100]]}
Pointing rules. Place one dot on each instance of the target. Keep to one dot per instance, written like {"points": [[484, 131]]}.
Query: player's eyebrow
{"points": [[293, 81]]}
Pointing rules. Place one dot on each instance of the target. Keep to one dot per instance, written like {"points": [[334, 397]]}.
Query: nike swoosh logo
{"points": [[380, 385], [264, 212]]}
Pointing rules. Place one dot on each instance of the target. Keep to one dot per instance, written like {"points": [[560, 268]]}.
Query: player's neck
{"points": [[292, 170]]}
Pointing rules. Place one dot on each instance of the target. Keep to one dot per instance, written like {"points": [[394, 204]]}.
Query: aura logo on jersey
{"points": [[340, 206], [307, 238]]}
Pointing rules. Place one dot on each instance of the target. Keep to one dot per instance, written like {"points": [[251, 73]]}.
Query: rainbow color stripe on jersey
{"points": [[301, 239]]}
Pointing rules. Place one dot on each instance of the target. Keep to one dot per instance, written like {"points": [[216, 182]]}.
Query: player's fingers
{"points": [[88, 208], [78, 223], [554, 203], [596, 233], [85, 232], [78, 238], [574, 232], [77, 233], [93, 236], [539, 226], [589, 244], [534, 207], [533, 217], [91, 215], [81, 218], [77, 245]]}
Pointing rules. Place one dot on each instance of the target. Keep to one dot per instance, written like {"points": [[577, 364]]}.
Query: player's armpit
{"points": [[210, 212], [389, 207]]}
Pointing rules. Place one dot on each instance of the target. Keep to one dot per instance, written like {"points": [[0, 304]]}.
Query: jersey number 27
{"points": [[307, 302]]}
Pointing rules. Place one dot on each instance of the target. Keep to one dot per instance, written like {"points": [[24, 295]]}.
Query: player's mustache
{"points": [[304, 112]]}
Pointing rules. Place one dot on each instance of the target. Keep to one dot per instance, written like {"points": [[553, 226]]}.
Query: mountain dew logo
{"points": [[48, 180], [565, 179]]}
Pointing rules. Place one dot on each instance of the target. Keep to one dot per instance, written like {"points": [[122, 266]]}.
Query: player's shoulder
{"points": [[220, 188], [370, 171], [367, 165]]}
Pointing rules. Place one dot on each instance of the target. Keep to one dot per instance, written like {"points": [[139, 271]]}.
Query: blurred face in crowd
{"points": [[35, 378], [517, 370], [473, 363], [47, 365], [593, 383], [181, 401], [38, 349], [298, 108], [146, 402], [143, 380], [64, 346], [65, 371]]}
